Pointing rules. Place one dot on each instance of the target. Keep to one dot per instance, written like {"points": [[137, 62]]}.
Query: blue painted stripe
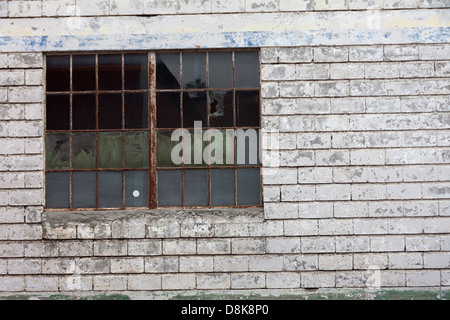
{"points": [[222, 40]]}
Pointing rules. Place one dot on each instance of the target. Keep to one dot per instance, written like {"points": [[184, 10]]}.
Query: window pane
{"points": [[136, 71], [58, 73], [83, 150], [247, 103], [168, 71], [136, 110], [83, 113], [169, 188], [221, 108], [220, 70], [83, 189], [83, 72], [222, 187], [247, 147], [164, 147], [110, 72], [136, 149], [109, 189], [136, 189], [194, 108], [195, 188], [57, 151], [220, 150], [247, 69], [58, 112], [57, 190], [194, 70], [110, 111], [196, 149], [248, 187], [168, 113], [109, 150]]}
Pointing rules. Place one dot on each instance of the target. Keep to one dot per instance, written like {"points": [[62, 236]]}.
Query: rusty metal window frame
{"points": [[152, 129]]}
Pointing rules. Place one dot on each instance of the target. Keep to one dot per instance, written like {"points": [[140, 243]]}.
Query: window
{"points": [[148, 130]]}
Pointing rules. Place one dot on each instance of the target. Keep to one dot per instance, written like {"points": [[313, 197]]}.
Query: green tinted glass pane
{"points": [[220, 150], [196, 149], [83, 150], [164, 147], [136, 149], [57, 151], [109, 150]]}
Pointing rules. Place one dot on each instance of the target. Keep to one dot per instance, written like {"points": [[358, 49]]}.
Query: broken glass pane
{"points": [[247, 69], [169, 188], [58, 112], [109, 189], [83, 189], [136, 71], [194, 108], [58, 73], [110, 111], [221, 109], [220, 70], [222, 187], [110, 150], [83, 72], [136, 110], [83, 111], [136, 149], [195, 184], [194, 70], [168, 71], [57, 151], [57, 189], [136, 188], [168, 114], [109, 72], [83, 150]]}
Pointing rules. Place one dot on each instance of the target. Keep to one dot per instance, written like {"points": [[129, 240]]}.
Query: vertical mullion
{"points": [[207, 127], [96, 130], [70, 127], [182, 126], [152, 193], [234, 129], [123, 130], [260, 132]]}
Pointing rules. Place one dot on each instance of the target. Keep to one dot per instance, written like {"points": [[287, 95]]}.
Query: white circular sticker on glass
{"points": [[136, 193]]}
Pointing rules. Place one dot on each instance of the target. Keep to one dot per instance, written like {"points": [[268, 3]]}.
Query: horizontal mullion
{"points": [[207, 89], [94, 92]]}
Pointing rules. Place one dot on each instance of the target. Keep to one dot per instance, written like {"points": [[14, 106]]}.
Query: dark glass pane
{"points": [[221, 108], [109, 72], [195, 188], [247, 147], [58, 112], [110, 150], [247, 69], [220, 150], [164, 147], [83, 189], [136, 71], [136, 110], [247, 103], [57, 189], [168, 71], [222, 187], [194, 70], [194, 146], [83, 150], [169, 188], [136, 149], [110, 111], [58, 73], [220, 70], [57, 151], [83, 73], [168, 113], [136, 189], [83, 111], [109, 189], [194, 108], [248, 187]]}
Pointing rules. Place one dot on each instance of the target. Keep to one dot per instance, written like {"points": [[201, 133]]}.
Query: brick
{"points": [[110, 248], [436, 260], [75, 249], [34, 77], [352, 244], [296, 124], [300, 262], [298, 193], [178, 282], [370, 226], [58, 8], [163, 228], [365, 261], [436, 225], [332, 54], [332, 157], [161, 7], [265, 263], [231, 263], [405, 261], [333, 192], [330, 5], [445, 278], [196, 264], [297, 89], [382, 105], [392, 278], [41, 283], [281, 211], [268, 228], [12, 77], [348, 105], [24, 9], [312, 71], [270, 90], [296, 5], [312, 106], [367, 88], [351, 210], [11, 249], [335, 262], [385, 70], [434, 52], [368, 192], [3, 9], [248, 280], [335, 227], [418, 104], [213, 281], [385, 209], [347, 71], [161, 264], [93, 8], [369, 53], [3, 96], [272, 194], [25, 232], [423, 278], [422, 243], [25, 60], [440, 191], [313, 140], [292, 158], [295, 55], [124, 229], [318, 245], [352, 279], [331, 88], [420, 173], [12, 284], [350, 174], [367, 157], [269, 55], [110, 283], [385, 174], [387, 244], [318, 279], [231, 230], [25, 94], [214, 246], [405, 226], [61, 266], [416, 70], [96, 231], [75, 283], [367, 122], [12, 112], [277, 72], [444, 208], [247, 246], [24, 266], [11, 214], [301, 228], [332, 123], [283, 245], [179, 247], [127, 7], [315, 175], [40, 249], [401, 53], [94, 265], [442, 69], [282, 280], [315, 210], [429, 87], [192, 229]]}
